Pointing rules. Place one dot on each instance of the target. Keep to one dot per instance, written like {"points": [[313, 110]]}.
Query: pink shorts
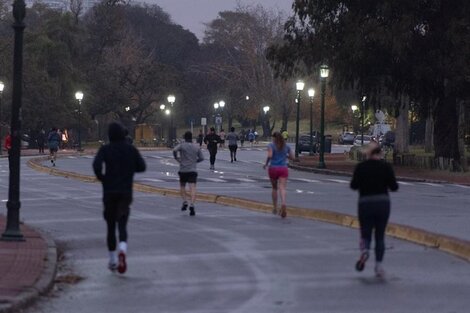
{"points": [[277, 172]]}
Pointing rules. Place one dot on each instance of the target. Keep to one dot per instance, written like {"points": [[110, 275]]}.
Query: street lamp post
{"points": [[266, 109], [171, 99], [324, 72], [12, 230], [299, 86], [354, 109], [311, 94], [218, 120], [2, 86], [363, 109], [79, 97]]}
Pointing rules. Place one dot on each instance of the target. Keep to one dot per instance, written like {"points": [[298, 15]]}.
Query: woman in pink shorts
{"points": [[278, 152]]}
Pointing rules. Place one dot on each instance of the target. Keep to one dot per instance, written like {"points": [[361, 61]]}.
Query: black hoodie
{"points": [[121, 161]]}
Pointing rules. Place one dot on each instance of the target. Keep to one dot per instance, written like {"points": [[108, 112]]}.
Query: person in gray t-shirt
{"points": [[189, 155], [232, 139]]}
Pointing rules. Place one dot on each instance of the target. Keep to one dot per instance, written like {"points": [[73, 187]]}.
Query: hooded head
{"points": [[188, 136], [115, 132]]}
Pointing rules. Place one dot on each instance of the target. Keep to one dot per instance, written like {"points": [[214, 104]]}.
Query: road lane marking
{"points": [[246, 180], [432, 184], [152, 180], [214, 180], [341, 181], [405, 183], [306, 180]]}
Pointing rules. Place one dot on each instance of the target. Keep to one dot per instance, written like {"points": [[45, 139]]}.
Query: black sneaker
{"points": [[361, 263], [184, 207], [52, 161], [192, 212]]}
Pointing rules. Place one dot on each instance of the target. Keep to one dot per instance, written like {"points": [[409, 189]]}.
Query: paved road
{"points": [[226, 259], [441, 208]]}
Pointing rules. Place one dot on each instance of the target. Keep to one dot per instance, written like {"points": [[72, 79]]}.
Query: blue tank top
{"points": [[279, 156]]}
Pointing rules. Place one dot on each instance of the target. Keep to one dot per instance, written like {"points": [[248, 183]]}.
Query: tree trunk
{"points": [[461, 134], [446, 134], [403, 129], [429, 133]]}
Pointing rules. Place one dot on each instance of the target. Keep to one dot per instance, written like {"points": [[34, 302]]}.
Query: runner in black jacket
{"points": [[212, 140], [373, 178], [121, 161]]}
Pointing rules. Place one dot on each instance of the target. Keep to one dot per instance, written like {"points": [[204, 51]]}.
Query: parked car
{"points": [[347, 138], [304, 143], [358, 140]]}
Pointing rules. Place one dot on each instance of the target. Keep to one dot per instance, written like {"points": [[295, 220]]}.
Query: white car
{"points": [[357, 140]]}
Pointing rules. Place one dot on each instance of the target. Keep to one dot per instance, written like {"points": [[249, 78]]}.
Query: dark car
{"points": [[347, 138], [304, 143]]}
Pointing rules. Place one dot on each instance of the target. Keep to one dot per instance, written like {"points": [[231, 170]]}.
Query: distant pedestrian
{"points": [[242, 136], [41, 140], [251, 137], [212, 140], [200, 138], [278, 153], [188, 155], [53, 142], [373, 178], [232, 139], [222, 139], [121, 161]]}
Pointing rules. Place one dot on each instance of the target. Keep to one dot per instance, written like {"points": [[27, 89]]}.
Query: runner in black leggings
{"points": [[373, 178]]}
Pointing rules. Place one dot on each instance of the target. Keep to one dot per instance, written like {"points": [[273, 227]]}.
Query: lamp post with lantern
{"points": [[171, 99], [311, 94], [299, 86], [324, 72], [363, 110], [2, 86], [12, 229], [79, 97]]}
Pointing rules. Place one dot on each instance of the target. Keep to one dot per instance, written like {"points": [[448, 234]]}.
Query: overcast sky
{"points": [[192, 14]]}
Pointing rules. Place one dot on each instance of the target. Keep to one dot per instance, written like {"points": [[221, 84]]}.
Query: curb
{"points": [[451, 245], [44, 283], [348, 174]]}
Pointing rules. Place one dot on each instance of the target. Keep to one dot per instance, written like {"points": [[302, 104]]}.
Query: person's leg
{"points": [[382, 213], [109, 217], [123, 216], [274, 184], [366, 224], [183, 180], [235, 153], [282, 191], [212, 153]]}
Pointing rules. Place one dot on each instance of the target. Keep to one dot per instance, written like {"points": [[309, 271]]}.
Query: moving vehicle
{"points": [[358, 140], [347, 138]]}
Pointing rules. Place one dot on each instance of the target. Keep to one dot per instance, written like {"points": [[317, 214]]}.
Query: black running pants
{"points": [[116, 211], [374, 212]]}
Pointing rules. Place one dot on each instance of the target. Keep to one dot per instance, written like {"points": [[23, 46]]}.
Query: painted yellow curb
{"points": [[451, 245]]}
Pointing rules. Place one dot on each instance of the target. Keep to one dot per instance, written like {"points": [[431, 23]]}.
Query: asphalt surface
{"points": [[225, 259]]}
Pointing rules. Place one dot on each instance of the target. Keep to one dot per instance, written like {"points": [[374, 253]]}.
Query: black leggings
{"points": [[233, 151], [116, 211], [212, 153], [374, 212]]}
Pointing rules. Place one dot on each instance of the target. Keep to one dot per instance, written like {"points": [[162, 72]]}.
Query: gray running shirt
{"points": [[232, 139], [189, 155]]}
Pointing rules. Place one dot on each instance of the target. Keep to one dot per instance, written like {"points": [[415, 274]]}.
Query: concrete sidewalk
{"points": [[27, 268]]}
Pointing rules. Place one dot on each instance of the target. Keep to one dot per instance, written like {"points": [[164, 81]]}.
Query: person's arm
{"points": [[268, 158], [355, 179], [140, 165], [391, 179], [290, 154], [175, 152], [200, 156], [98, 164]]}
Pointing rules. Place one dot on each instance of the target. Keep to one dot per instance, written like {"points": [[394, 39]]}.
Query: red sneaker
{"points": [[122, 266]]}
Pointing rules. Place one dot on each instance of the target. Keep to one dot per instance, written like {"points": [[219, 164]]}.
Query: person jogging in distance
{"points": [[122, 161], [232, 139], [278, 153], [373, 178], [53, 141], [212, 140], [189, 155]]}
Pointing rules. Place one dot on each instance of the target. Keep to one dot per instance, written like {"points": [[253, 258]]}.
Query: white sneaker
{"points": [[379, 271]]}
